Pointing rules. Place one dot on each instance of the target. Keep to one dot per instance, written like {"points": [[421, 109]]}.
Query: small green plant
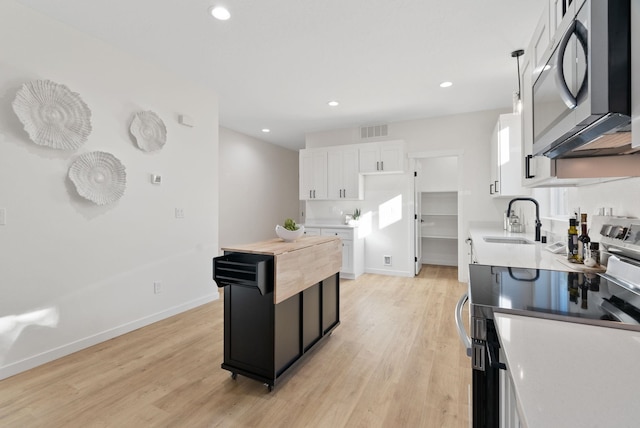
{"points": [[356, 214], [289, 224]]}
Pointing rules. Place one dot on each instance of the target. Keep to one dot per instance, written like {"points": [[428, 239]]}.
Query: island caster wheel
{"points": [[270, 388], [234, 376]]}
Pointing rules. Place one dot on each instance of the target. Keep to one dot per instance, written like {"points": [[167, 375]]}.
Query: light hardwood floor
{"points": [[394, 361]]}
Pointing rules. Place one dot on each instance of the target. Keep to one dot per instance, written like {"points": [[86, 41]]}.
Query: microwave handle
{"points": [[565, 93]]}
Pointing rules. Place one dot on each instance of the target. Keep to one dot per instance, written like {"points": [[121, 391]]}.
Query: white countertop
{"points": [[531, 256], [571, 375], [330, 225]]}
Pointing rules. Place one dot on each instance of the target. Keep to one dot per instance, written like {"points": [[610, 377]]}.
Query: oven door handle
{"points": [[464, 337]]}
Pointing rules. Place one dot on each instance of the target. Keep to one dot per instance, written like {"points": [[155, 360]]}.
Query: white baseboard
{"points": [[390, 272], [61, 351]]}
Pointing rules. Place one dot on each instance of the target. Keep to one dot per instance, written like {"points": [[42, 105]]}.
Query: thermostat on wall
{"points": [[156, 179]]}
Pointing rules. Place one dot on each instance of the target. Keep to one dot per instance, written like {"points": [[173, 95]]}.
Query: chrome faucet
{"points": [[538, 224]]}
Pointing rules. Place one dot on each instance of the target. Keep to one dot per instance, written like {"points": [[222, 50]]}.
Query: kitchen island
{"points": [[281, 299]]}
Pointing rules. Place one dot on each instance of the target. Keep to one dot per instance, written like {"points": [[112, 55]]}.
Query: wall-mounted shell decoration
{"points": [[99, 177], [52, 115], [149, 131]]}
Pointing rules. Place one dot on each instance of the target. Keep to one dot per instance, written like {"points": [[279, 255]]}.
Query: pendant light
{"points": [[517, 96]]}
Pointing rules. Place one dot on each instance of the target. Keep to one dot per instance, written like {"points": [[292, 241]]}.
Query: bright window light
{"points": [[390, 212]]}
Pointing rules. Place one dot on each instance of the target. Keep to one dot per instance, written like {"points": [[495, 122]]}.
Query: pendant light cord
{"points": [[517, 54]]}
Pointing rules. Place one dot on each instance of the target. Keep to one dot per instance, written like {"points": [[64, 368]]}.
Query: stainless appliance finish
{"points": [[610, 299], [582, 96]]}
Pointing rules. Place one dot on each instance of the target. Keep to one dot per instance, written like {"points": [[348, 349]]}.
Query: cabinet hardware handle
{"points": [[314, 194], [344, 193], [491, 189], [496, 187], [377, 166], [310, 194], [527, 167], [382, 166]]}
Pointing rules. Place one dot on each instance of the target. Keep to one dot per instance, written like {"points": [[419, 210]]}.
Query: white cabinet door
{"points": [[392, 157], [541, 40], [506, 157], [369, 159], [352, 182], [344, 179], [347, 257], [494, 173], [313, 174], [382, 158]]}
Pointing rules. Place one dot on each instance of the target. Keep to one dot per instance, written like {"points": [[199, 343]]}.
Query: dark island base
{"points": [[262, 340]]}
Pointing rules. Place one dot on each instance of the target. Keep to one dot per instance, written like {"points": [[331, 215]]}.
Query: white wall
{"points": [[259, 188], [73, 273], [469, 134]]}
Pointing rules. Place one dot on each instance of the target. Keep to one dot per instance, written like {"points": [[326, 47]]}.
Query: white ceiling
{"points": [[275, 64]]}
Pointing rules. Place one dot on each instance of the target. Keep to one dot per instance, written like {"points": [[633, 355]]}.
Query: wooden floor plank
{"points": [[395, 360]]}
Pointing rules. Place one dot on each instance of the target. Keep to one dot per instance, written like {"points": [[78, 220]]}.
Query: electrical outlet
{"points": [[387, 260], [157, 287], [179, 212]]}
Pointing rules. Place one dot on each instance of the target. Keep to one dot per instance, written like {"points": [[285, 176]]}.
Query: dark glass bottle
{"points": [[572, 241], [595, 252], [583, 239]]}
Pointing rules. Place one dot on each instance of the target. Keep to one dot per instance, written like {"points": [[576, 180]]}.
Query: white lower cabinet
{"points": [[352, 248]]}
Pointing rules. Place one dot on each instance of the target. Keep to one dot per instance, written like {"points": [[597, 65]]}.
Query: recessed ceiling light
{"points": [[445, 84], [266, 130], [221, 13], [333, 103]]}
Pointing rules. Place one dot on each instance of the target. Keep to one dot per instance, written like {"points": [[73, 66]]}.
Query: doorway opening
{"points": [[437, 203]]}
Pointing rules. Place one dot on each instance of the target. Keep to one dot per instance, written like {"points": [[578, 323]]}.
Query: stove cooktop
{"points": [[568, 296]]}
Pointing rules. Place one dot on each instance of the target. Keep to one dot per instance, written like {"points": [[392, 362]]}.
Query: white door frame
{"points": [[438, 154]]}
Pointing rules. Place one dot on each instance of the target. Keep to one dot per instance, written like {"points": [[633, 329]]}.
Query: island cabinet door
{"points": [[248, 330], [330, 303], [287, 347], [311, 327]]}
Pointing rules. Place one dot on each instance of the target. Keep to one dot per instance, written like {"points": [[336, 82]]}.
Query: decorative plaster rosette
{"points": [[52, 115], [149, 131], [99, 177]]}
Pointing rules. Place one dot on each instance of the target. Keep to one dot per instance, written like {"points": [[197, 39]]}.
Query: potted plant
{"points": [[290, 231], [353, 221]]}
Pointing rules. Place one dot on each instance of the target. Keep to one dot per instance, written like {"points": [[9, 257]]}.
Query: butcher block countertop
{"points": [[297, 265], [277, 246]]}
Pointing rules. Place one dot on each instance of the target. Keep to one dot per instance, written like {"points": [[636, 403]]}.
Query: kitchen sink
{"points": [[505, 240]]}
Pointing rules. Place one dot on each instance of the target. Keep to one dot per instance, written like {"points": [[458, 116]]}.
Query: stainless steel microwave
{"points": [[582, 95]]}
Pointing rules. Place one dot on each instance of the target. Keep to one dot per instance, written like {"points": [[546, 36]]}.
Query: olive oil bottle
{"points": [[572, 242]]}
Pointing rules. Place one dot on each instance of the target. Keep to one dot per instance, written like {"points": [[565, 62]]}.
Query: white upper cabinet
{"points": [[506, 157], [382, 158], [344, 179], [313, 174]]}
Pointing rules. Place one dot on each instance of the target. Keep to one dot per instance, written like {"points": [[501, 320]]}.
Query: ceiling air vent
{"points": [[374, 131]]}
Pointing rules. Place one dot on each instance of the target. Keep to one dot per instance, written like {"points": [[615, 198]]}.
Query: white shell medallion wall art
{"points": [[99, 177], [52, 115], [149, 131]]}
